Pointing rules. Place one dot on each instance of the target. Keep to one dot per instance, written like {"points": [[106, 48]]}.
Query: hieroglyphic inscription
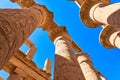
{"points": [[15, 27]]}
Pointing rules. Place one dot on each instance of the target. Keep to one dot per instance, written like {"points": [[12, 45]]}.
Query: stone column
{"points": [[87, 68], [48, 66], [14, 76], [15, 27], [66, 65]]}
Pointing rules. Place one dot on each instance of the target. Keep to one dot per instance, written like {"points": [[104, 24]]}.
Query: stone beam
{"points": [[76, 47], [25, 3], [14, 76], [25, 68], [101, 76]]}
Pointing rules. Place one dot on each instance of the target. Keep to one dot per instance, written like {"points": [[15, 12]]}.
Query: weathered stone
{"points": [[25, 3], [86, 66], [14, 76], [65, 61], [15, 27], [48, 66], [25, 68]]}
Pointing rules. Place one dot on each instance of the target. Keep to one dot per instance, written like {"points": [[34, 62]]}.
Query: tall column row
{"points": [[68, 65], [14, 76], [65, 61]]}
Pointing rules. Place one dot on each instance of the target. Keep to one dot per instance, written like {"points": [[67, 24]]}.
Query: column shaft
{"points": [[66, 66], [87, 68], [15, 27]]}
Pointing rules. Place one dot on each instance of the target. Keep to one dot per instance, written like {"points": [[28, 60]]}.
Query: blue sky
{"points": [[66, 13]]}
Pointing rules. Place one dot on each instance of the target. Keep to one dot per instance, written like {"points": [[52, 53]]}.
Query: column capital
{"points": [[14, 76], [105, 35], [47, 16], [59, 31], [24, 3], [65, 61], [84, 12]]}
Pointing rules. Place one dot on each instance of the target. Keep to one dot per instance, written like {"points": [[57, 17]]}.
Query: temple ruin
{"points": [[15, 30]]}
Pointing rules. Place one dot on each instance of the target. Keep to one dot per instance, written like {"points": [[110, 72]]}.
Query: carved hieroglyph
{"points": [[66, 65], [15, 27]]}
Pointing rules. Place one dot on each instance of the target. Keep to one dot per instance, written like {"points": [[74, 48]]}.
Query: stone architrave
{"points": [[107, 15], [14, 77]]}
